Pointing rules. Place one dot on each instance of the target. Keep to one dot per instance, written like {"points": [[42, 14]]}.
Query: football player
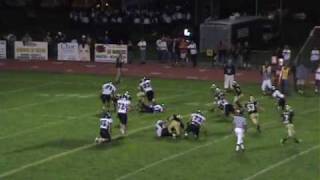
{"points": [[252, 109], [287, 120], [153, 108], [218, 94], [240, 128], [280, 97], [225, 106], [105, 128], [176, 125], [107, 94], [146, 87], [238, 94], [196, 122], [162, 129], [123, 108]]}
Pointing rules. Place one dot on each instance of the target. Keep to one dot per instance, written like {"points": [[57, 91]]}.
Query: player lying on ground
{"points": [[252, 109], [105, 128], [146, 87], [162, 129], [196, 123], [280, 97], [123, 107], [240, 128], [176, 125], [287, 120], [107, 95], [152, 108]]}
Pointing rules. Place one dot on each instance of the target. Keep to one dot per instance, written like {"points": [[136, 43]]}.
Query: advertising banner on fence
{"points": [[68, 51], [84, 52], [31, 50], [3, 49], [110, 52]]}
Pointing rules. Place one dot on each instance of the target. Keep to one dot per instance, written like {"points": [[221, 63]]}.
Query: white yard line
{"points": [[50, 124], [56, 156], [59, 155], [284, 161], [27, 88], [184, 153]]}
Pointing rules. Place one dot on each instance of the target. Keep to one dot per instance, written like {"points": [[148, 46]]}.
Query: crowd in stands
{"points": [[99, 15]]}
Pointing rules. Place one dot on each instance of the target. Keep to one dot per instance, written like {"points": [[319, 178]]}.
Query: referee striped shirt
{"points": [[239, 122]]}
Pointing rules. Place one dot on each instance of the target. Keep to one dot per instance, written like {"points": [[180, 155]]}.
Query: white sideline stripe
{"points": [[59, 155], [27, 88], [31, 130], [269, 168], [185, 152]]}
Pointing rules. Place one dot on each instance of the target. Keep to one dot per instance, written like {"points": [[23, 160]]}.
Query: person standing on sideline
{"points": [[317, 78], [142, 44], [119, 63], [239, 127], [301, 77], [284, 79], [315, 57], [286, 53], [193, 52], [229, 73], [266, 78]]}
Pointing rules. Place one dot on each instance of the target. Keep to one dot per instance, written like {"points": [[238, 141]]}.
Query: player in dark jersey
{"points": [[252, 109], [238, 94], [287, 119]]}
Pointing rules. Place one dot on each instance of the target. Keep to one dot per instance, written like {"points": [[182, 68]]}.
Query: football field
{"points": [[48, 123]]}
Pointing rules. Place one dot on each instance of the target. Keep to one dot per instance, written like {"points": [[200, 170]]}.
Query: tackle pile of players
{"points": [[174, 125]]}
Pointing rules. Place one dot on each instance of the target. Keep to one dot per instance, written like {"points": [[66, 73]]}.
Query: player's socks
{"points": [[242, 146], [258, 128], [296, 140], [237, 147]]}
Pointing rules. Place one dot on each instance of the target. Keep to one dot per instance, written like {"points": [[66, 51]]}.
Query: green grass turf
{"points": [[45, 114]]}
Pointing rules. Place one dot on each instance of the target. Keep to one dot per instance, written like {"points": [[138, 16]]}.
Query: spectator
{"points": [[229, 73], [142, 44], [26, 39], [119, 63], [193, 52], [60, 37], [50, 42], [315, 57], [130, 51], [158, 41], [301, 76], [163, 47], [183, 49], [317, 80], [284, 79], [286, 53], [246, 55]]}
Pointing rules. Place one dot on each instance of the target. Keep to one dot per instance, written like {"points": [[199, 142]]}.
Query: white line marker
{"points": [[269, 168], [59, 155]]}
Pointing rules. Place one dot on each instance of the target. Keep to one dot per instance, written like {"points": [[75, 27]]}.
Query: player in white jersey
{"points": [[280, 97], [152, 108], [123, 107], [107, 94], [240, 127], [196, 122], [225, 106], [146, 87], [105, 128], [162, 129]]}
